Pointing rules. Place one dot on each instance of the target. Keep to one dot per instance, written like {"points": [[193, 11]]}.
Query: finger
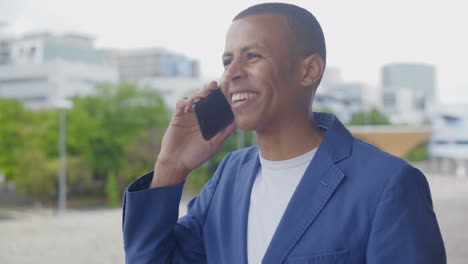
{"points": [[189, 105], [181, 105], [204, 92], [207, 89]]}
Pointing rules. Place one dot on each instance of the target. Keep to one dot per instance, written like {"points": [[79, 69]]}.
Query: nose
{"points": [[235, 71]]}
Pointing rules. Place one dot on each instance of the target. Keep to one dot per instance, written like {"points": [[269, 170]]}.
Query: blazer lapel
{"points": [[317, 186], [314, 190], [243, 188]]}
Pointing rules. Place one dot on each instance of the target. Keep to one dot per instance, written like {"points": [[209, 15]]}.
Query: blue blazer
{"points": [[354, 204]]}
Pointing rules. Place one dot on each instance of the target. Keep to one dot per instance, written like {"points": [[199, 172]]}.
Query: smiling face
{"points": [[261, 80]]}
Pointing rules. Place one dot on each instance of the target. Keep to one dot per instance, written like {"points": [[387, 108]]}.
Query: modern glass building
{"points": [[43, 68], [418, 78], [138, 64]]}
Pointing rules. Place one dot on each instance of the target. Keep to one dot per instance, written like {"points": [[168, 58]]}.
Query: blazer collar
{"points": [[316, 187], [338, 141], [243, 188]]}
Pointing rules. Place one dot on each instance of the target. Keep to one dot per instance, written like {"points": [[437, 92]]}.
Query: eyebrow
{"points": [[244, 49]]}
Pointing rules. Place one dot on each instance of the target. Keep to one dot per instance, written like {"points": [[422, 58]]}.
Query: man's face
{"points": [[259, 79]]}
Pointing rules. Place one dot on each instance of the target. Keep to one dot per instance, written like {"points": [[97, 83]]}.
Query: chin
{"points": [[246, 123]]}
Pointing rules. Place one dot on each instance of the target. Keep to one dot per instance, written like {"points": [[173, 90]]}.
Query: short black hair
{"points": [[306, 30]]}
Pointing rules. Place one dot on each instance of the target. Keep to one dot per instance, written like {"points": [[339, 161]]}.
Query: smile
{"points": [[240, 97]]}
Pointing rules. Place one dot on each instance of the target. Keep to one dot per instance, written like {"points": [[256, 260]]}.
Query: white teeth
{"points": [[242, 96]]}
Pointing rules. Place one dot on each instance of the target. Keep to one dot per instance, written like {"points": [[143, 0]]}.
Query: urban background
{"points": [[80, 121]]}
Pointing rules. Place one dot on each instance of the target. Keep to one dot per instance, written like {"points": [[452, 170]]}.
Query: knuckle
{"points": [[181, 103]]}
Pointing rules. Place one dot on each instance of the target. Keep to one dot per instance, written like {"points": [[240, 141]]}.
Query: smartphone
{"points": [[213, 113]]}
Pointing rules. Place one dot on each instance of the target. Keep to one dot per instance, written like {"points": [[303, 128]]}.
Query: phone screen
{"points": [[213, 113]]}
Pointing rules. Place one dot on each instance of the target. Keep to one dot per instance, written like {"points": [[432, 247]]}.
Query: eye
{"points": [[253, 56], [226, 62]]}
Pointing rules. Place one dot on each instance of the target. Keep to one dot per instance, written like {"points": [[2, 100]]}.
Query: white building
{"points": [[138, 64], [44, 68], [41, 85], [171, 74], [344, 98], [5, 44], [448, 146], [172, 88], [408, 107], [416, 76], [408, 91], [331, 76]]}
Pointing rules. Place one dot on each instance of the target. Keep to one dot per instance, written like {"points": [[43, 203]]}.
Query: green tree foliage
{"points": [[25, 148], [419, 153], [140, 154], [112, 191], [112, 135], [37, 176], [102, 125], [371, 117], [323, 110], [201, 175], [79, 176], [12, 115]]}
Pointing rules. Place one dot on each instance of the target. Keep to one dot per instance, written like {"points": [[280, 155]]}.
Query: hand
{"points": [[183, 147]]}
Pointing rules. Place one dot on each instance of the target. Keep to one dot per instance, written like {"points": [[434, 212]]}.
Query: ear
{"points": [[312, 69]]}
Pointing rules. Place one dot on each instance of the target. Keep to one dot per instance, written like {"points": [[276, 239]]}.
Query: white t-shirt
{"points": [[273, 187]]}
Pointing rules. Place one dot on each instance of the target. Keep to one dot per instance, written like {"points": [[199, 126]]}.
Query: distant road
{"points": [[450, 198], [95, 236]]}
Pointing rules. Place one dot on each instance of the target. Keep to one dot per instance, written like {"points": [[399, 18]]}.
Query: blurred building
{"points": [[148, 63], [408, 107], [172, 88], [407, 91], [5, 44], [42, 68], [448, 146], [172, 75], [343, 98], [331, 76]]}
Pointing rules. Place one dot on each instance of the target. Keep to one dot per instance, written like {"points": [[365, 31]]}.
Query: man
{"points": [[309, 193]]}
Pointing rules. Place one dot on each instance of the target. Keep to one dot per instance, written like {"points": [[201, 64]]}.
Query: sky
{"points": [[361, 35]]}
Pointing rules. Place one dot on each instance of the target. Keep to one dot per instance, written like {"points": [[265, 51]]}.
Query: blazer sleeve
{"points": [[405, 228], [153, 233]]}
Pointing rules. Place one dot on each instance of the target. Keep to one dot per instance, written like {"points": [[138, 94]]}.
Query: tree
{"points": [[112, 191], [36, 177], [12, 116], [418, 153], [324, 110], [371, 117], [140, 155], [100, 126], [105, 132]]}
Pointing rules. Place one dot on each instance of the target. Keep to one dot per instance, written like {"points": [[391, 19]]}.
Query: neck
{"points": [[291, 139]]}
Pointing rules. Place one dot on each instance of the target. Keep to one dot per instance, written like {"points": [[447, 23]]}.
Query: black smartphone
{"points": [[213, 113]]}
